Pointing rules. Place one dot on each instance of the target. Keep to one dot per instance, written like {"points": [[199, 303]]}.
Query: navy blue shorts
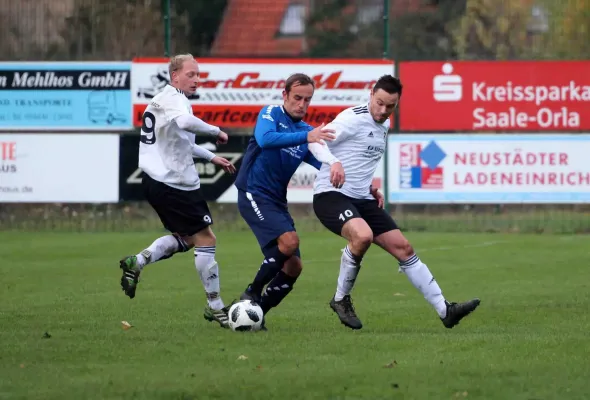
{"points": [[267, 219]]}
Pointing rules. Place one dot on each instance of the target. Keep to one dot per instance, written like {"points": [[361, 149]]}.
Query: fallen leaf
{"points": [[259, 367], [22, 365], [242, 357], [126, 325], [391, 364], [399, 294]]}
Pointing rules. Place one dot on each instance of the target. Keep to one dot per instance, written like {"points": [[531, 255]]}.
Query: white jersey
{"points": [[359, 145], [165, 151]]}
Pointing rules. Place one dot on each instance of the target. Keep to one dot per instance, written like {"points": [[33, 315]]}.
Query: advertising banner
{"points": [[214, 180], [495, 96], [65, 96], [489, 168], [59, 168], [232, 91]]}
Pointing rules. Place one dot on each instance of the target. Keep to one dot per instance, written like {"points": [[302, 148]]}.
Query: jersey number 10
{"points": [[345, 214]]}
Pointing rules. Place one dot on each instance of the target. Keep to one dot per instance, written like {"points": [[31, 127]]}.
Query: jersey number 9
{"points": [[147, 128]]}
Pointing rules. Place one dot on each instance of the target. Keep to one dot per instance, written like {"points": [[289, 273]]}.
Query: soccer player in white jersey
{"points": [[172, 187], [354, 210]]}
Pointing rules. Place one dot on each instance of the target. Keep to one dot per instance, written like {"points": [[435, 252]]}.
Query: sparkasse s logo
{"points": [[447, 87]]}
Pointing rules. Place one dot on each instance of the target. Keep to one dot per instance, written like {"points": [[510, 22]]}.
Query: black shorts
{"points": [[334, 209], [183, 212]]}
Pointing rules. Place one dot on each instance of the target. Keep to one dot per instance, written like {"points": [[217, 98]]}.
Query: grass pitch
{"points": [[61, 336]]}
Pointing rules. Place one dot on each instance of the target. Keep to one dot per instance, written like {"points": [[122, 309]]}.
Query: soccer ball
{"points": [[245, 315]]}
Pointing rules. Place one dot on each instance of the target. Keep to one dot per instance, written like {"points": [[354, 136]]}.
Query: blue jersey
{"points": [[274, 153]]}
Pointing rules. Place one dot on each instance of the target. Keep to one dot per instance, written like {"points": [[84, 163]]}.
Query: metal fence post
{"points": [[386, 56], [167, 28]]}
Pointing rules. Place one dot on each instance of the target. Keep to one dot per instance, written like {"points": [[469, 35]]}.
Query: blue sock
{"points": [[277, 290], [272, 264]]}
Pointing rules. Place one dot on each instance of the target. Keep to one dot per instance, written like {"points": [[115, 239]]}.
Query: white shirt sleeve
{"points": [[189, 122], [177, 109], [201, 152], [341, 127], [322, 153]]}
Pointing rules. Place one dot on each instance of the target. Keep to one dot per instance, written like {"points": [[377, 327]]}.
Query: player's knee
{"points": [[361, 241], [206, 237], [404, 249], [288, 243]]}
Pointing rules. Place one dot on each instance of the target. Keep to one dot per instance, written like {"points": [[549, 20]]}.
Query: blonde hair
{"points": [[177, 61]]}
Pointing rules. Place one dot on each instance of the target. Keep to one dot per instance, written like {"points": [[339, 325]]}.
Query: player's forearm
{"points": [[272, 139], [201, 152], [193, 124], [322, 153]]}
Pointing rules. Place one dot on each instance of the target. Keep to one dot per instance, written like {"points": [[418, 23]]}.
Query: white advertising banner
{"points": [[60, 168], [511, 168]]}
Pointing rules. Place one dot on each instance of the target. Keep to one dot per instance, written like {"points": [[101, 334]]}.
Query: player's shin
{"points": [[281, 285], [273, 262], [161, 249], [208, 270], [350, 265], [421, 277]]}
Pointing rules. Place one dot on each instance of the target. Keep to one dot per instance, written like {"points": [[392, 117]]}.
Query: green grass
{"points": [[528, 340]]}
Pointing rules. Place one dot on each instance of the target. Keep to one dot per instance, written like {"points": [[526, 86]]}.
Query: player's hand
{"points": [[379, 197], [337, 175], [319, 134], [222, 138], [225, 164]]}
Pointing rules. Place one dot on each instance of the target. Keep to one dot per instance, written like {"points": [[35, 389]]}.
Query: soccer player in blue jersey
{"points": [[279, 145]]}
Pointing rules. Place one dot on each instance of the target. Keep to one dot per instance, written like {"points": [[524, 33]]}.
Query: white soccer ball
{"points": [[245, 315]]}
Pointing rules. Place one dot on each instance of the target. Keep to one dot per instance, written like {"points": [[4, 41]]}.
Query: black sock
{"points": [[277, 290], [272, 264]]}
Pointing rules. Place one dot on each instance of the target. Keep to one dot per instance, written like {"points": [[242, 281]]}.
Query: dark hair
{"points": [[390, 84], [299, 80]]}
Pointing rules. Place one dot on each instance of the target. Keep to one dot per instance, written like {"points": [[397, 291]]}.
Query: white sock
{"points": [[349, 269], [420, 276], [161, 249], [209, 273]]}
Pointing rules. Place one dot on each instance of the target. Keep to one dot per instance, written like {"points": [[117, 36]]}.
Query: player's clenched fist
{"points": [[319, 134], [222, 137], [337, 175], [225, 164]]}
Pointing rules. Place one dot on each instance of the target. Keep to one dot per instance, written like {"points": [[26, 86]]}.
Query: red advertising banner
{"points": [[233, 91], [239, 116], [495, 96]]}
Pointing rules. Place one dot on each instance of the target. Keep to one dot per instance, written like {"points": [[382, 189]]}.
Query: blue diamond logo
{"points": [[432, 155]]}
